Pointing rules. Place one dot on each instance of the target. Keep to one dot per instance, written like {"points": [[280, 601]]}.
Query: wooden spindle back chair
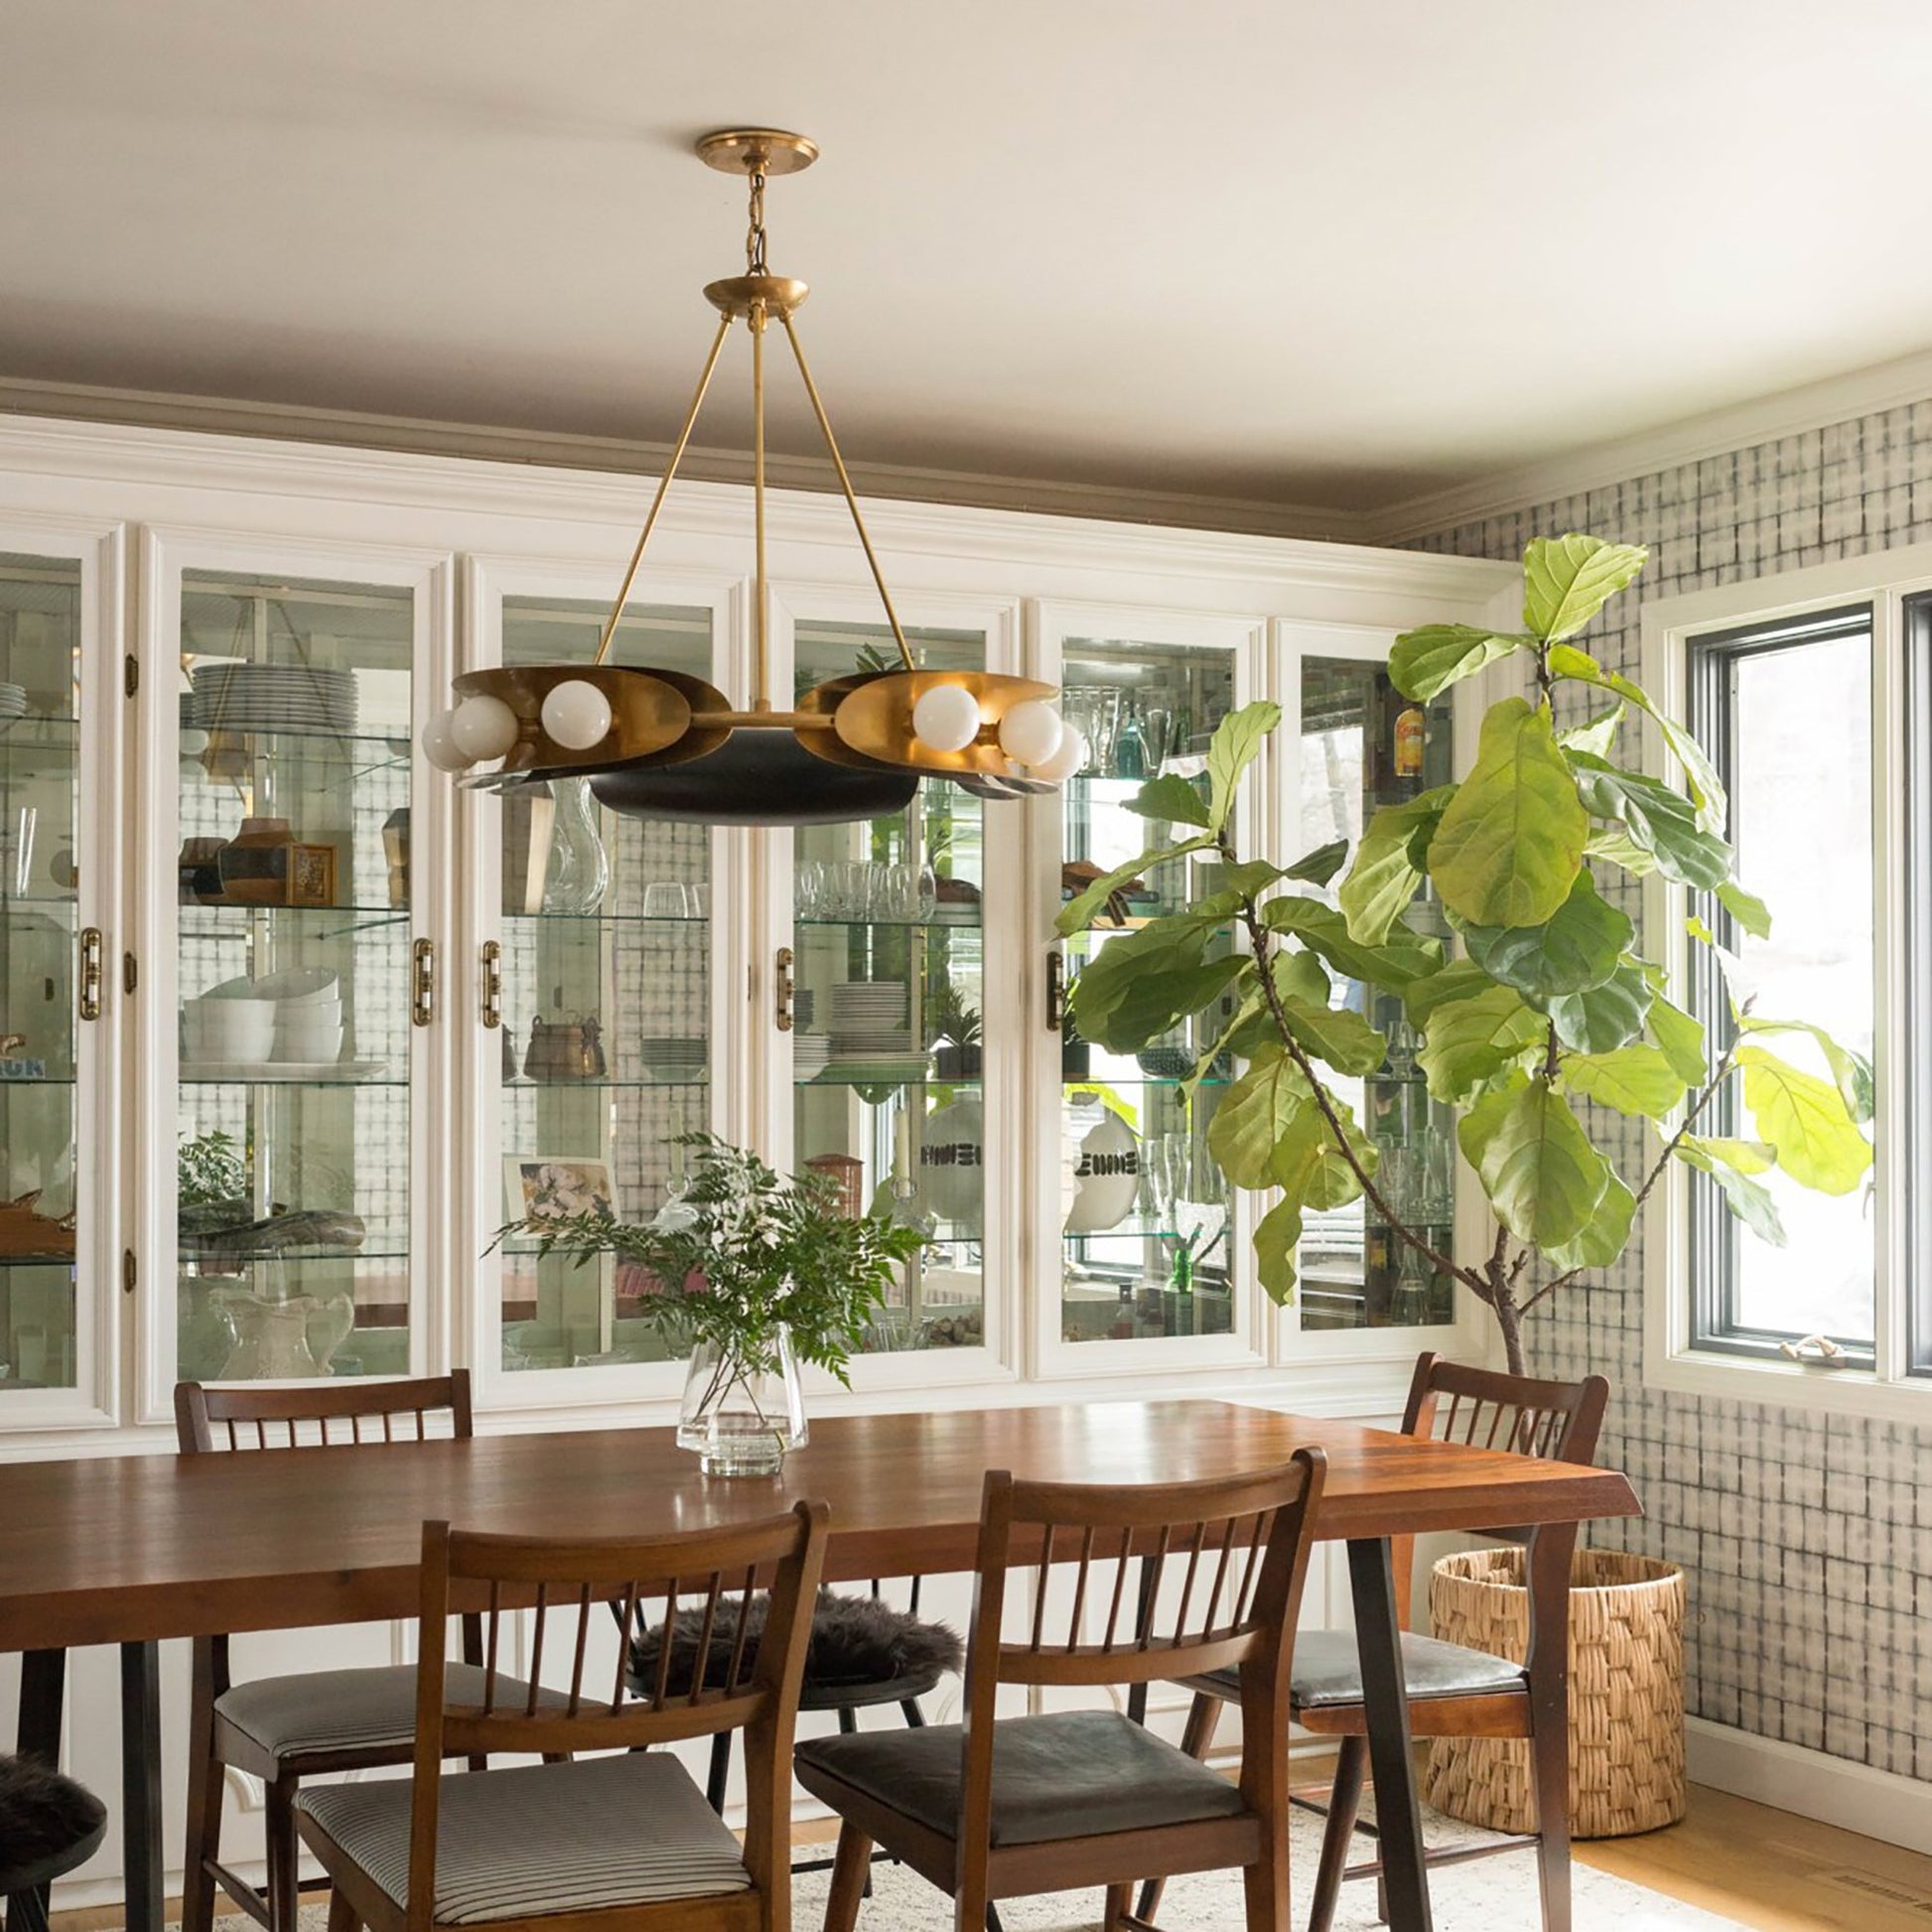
{"points": [[247, 1420], [564, 1588], [1235, 1552]]}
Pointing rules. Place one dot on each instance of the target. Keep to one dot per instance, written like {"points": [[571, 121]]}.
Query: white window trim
{"points": [[1886, 579]]}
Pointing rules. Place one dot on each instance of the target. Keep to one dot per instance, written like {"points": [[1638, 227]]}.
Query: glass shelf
{"points": [[524, 1085], [602, 917], [383, 914], [187, 1077], [37, 1261], [397, 745]]}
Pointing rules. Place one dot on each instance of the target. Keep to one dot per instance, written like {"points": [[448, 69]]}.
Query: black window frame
{"points": [[1714, 1235]]}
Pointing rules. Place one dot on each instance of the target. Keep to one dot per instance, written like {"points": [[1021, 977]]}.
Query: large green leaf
{"points": [[1637, 1079], [1145, 982], [1597, 736], [1818, 1143], [1681, 1037], [1254, 1115], [1706, 789], [1425, 661], [1852, 1071], [1171, 797], [1235, 746], [1606, 1017], [1309, 1167], [1470, 1043], [1615, 847], [1747, 909], [1317, 868], [1405, 956], [1576, 949], [1461, 979], [1750, 1201], [1389, 864], [1567, 580], [1602, 1238], [1277, 1236], [1658, 819], [1344, 1039], [1747, 1156], [1080, 912], [1511, 841], [1543, 1177]]}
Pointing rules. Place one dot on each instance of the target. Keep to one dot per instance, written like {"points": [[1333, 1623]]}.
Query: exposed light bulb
{"points": [[1068, 757], [576, 714], [484, 727], [1032, 732], [947, 717], [440, 745]]}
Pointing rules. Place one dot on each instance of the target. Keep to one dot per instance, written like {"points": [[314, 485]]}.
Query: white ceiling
{"points": [[1287, 251]]}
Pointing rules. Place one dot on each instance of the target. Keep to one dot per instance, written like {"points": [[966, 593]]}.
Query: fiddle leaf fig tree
{"points": [[1542, 1022]]}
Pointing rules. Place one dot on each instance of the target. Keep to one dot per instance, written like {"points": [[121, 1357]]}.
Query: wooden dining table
{"points": [[133, 1550]]}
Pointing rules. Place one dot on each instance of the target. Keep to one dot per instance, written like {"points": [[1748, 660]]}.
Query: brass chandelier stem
{"points": [[663, 486], [844, 484], [762, 594]]}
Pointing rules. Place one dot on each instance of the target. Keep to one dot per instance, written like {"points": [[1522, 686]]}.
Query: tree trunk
{"points": [[1511, 1321]]}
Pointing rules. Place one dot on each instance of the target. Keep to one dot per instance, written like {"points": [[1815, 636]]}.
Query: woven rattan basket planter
{"points": [[1627, 1691]]}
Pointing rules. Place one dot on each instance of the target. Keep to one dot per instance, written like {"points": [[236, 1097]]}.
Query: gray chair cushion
{"points": [[1328, 1671], [1068, 1774], [346, 1709], [631, 1830]]}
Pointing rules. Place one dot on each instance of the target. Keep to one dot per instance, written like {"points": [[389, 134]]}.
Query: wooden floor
{"points": [[1769, 1870]]}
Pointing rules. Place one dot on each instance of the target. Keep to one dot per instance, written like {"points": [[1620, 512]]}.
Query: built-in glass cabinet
{"points": [[292, 1026]]}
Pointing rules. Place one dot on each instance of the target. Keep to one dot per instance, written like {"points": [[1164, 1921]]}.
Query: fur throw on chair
{"points": [[43, 1815], [855, 1640]]}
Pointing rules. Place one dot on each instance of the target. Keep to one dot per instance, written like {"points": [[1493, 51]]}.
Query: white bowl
{"points": [[308, 1041], [227, 1029], [300, 986]]}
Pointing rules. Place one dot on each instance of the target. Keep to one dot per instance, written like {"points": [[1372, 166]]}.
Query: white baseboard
{"points": [[1814, 1784]]}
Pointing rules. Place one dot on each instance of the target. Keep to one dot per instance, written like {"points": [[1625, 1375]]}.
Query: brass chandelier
{"points": [[662, 745]]}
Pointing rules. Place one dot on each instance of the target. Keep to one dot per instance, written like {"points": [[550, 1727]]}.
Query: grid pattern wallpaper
{"points": [[1807, 1540]]}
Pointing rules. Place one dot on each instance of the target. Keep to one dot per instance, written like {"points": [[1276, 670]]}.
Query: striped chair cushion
{"points": [[346, 1709], [631, 1830]]}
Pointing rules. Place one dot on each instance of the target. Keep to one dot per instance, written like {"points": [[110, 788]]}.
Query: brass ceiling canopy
{"points": [[661, 745]]}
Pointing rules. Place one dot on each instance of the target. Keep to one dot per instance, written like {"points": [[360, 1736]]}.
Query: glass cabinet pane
{"points": [[293, 970], [40, 766], [1146, 1233], [606, 937], [1363, 745], [885, 1047]]}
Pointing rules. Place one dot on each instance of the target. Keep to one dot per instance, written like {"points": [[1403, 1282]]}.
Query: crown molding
{"points": [[1690, 438], [892, 482]]}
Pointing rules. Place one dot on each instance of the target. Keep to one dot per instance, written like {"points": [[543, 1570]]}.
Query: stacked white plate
{"points": [[273, 697], [809, 1054], [13, 702], [869, 1020]]}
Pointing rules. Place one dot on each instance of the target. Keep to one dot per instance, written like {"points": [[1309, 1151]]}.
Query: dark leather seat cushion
{"points": [[1066, 1774], [1328, 1671]]}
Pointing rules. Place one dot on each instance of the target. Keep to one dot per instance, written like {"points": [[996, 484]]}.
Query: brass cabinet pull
{"points": [[493, 984], [1055, 989], [784, 989], [90, 956], [422, 983]]}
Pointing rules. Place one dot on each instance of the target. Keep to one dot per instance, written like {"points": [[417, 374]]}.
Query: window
{"points": [[1785, 710]]}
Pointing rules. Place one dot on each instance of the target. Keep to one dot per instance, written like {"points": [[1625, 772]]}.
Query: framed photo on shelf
{"points": [[553, 1186]]}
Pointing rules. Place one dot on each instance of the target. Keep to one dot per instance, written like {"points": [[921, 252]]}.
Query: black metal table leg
{"points": [[1398, 1815], [42, 1691], [141, 1825]]}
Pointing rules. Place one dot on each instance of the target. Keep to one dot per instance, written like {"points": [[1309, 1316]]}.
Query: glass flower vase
{"points": [[742, 1420]]}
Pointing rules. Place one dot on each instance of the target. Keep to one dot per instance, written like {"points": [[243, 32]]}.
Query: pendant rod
{"points": [[760, 613], [851, 500], [664, 485]]}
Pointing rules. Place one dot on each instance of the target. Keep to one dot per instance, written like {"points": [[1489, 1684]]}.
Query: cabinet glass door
{"points": [[887, 1046], [1145, 1214], [604, 1009], [1363, 745], [43, 1193], [294, 972]]}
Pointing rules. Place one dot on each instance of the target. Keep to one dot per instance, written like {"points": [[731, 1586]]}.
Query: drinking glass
{"points": [[666, 899]]}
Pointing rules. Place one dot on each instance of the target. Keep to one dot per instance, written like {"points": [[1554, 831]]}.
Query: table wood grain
{"points": [[131, 1548]]}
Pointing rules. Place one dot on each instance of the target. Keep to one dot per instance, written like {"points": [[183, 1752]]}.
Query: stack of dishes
{"points": [[13, 702], [273, 697], [678, 1062], [870, 1037], [810, 1053], [285, 1025]]}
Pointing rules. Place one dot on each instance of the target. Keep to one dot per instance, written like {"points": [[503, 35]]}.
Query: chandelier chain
{"points": [[755, 233]]}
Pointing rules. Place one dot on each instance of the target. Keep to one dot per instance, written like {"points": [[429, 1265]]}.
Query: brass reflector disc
{"points": [[875, 717], [650, 715]]}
